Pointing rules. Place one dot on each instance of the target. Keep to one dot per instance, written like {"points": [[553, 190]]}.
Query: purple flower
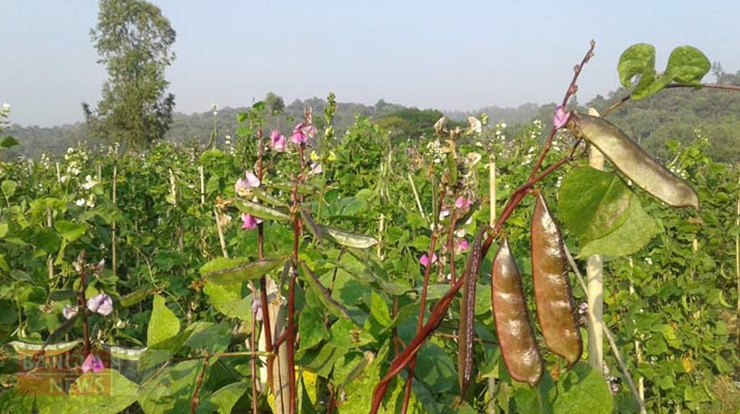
{"points": [[257, 309], [425, 259], [463, 203], [92, 363], [277, 141], [582, 308], [69, 311], [101, 304], [249, 222], [561, 117]]}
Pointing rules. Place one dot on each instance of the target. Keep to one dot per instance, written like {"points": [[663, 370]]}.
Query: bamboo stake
{"points": [[492, 385], [202, 185], [221, 239], [49, 258], [595, 292], [114, 226], [610, 339]]}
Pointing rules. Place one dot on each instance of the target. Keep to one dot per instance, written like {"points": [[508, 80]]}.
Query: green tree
{"points": [[134, 41], [275, 103]]}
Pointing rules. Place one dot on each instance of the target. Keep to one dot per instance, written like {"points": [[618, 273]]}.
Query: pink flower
{"points": [[101, 304], [425, 259], [242, 186], [277, 141], [69, 311], [249, 221], [316, 168], [92, 363], [463, 203], [302, 132], [561, 117], [461, 245]]}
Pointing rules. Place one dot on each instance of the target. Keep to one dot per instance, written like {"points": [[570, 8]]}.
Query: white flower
{"points": [[89, 183], [80, 202]]}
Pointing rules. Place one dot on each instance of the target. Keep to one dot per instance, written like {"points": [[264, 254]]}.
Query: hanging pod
{"points": [[513, 327], [552, 290], [633, 161], [466, 329]]}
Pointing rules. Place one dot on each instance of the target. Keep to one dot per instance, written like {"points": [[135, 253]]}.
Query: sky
{"points": [[461, 55]]}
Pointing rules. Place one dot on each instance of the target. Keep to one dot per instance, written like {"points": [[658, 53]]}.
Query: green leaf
{"points": [[260, 211], [9, 187], [688, 65], [223, 400], [592, 203], [311, 327], [46, 240], [633, 235], [637, 60], [223, 271], [230, 300], [209, 336], [163, 324], [583, 390], [70, 231]]}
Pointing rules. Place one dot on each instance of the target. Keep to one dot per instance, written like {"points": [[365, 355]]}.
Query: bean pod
{"points": [[633, 162], [513, 327], [552, 290], [466, 330]]}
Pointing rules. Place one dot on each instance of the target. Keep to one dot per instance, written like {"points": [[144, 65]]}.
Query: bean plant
{"points": [[300, 271]]}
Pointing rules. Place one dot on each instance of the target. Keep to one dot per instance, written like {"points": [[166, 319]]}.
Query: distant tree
{"points": [[133, 40], [275, 103]]}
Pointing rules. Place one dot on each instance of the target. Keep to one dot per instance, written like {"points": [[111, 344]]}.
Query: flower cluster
{"points": [[4, 113], [101, 304]]}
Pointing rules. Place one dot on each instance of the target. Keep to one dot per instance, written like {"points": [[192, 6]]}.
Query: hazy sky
{"points": [[429, 54]]}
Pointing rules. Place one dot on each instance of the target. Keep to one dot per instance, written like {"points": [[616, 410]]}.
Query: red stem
{"points": [[420, 321]]}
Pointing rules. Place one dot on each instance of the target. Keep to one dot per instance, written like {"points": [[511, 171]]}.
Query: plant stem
{"points": [[195, 400], [420, 321]]}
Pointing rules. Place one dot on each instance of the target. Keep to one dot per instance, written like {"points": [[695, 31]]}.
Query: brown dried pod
{"points": [[466, 329], [513, 327], [556, 310], [633, 161]]}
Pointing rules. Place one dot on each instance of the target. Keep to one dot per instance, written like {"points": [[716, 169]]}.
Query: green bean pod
{"points": [[552, 290], [513, 327], [466, 331], [633, 161]]}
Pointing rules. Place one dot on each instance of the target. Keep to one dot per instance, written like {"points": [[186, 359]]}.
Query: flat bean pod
{"points": [[513, 327], [633, 161], [552, 290]]}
